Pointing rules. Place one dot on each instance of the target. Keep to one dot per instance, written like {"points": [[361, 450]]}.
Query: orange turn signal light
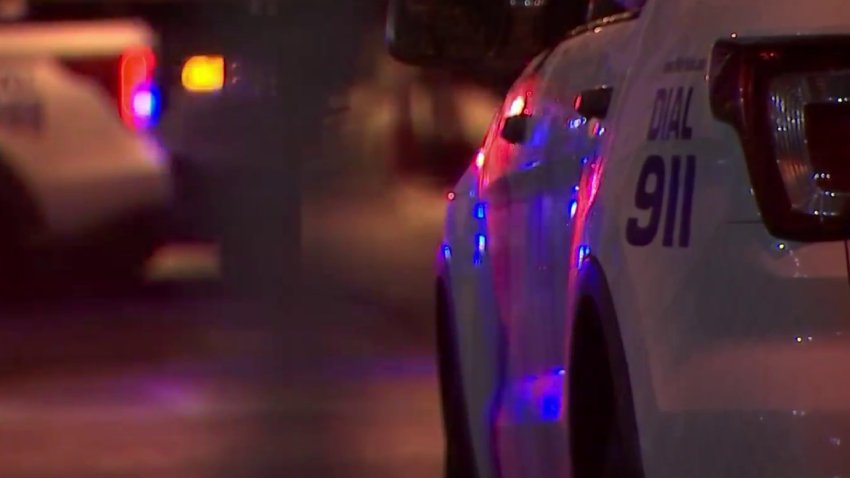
{"points": [[203, 74]]}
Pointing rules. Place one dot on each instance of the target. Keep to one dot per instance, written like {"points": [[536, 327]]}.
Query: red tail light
{"points": [[130, 81], [789, 100], [137, 94]]}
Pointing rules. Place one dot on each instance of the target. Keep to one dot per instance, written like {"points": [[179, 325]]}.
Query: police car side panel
{"points": [[475, 320], [517, 207], [544, 194], [472, 262], [735, 340]]}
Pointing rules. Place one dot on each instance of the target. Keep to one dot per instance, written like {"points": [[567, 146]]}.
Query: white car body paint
{"points": [[736, 343], [83, 167]]}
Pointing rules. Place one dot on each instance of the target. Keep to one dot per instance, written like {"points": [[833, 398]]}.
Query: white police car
{"points": [[645, 270], [84, 186], [92, 176]]}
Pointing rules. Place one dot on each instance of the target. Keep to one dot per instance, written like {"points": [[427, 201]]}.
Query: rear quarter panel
{"points": [[713, 325]]}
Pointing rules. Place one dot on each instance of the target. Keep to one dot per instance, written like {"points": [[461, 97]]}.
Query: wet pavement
{"points": [[178, 379]]}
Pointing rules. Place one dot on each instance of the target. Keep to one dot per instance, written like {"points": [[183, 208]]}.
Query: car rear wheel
{"points": [[112, 256], [598, 420]]}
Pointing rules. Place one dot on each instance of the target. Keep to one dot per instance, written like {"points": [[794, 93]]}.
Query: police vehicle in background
{"points": [[91, 182], [645, 267], [84, 185]]}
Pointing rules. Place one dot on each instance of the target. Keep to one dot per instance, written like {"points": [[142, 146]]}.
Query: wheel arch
{"points": [[460, 457], [597, 342]]}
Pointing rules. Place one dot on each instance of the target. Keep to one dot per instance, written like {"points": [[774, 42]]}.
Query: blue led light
{"points": [[481, 240], [146, 105], [447, 252], [576, 123], [480, 211], [480, 248], [583, 253], [573, 208]]}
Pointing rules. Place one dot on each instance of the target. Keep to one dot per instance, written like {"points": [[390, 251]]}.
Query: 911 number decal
{"points": [[650, 196]]}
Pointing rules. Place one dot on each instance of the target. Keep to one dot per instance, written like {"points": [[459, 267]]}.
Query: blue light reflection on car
{"points": [[539, 398], [583, 253], [480, 211]]}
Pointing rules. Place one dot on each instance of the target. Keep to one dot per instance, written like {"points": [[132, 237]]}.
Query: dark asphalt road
{"points": [[182, 381], [170, 384]]}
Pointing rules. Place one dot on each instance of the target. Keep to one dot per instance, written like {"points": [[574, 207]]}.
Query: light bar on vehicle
{"points": [[145, 103], [136, 89]]}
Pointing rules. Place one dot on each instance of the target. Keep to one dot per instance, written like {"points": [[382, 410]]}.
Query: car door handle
{"points": [[515, 129], [594, 103]]}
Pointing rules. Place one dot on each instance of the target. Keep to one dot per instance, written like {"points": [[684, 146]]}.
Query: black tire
{"points": [[112, 257], [30, 261], [459, 453], [118, 254], [20, 218], [602, 441]]}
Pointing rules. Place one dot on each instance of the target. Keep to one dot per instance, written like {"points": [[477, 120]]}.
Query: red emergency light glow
{"points": [[136, 96], [480, 159], [517, 106]]}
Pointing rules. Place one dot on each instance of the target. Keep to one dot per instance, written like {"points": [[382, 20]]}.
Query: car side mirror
{"points": [[594, 103], [437, 32], [515, 129]]}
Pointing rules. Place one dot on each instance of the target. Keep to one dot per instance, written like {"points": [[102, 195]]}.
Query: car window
{"points": [[600, 9], [560, 17], [632, 4]]}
